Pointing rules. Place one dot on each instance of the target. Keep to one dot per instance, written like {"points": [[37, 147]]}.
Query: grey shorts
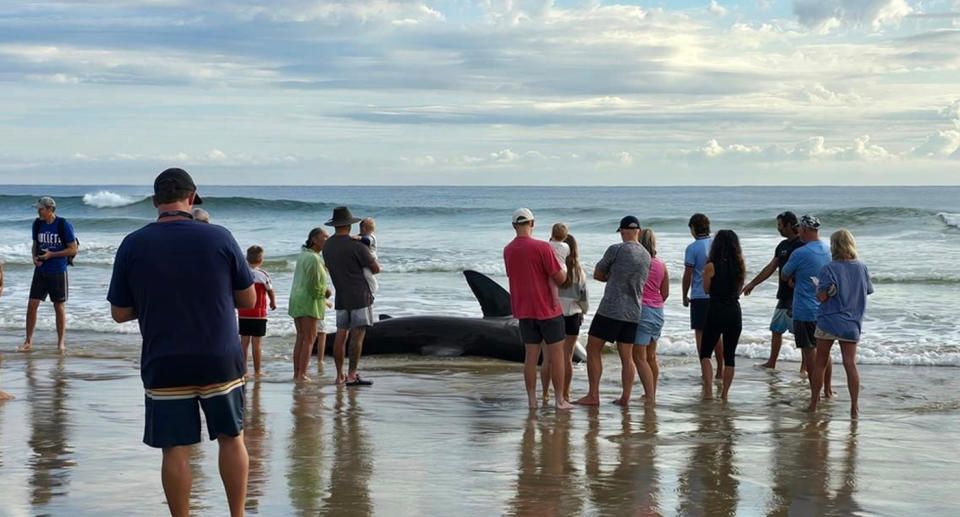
{"points": [[355, 318]]}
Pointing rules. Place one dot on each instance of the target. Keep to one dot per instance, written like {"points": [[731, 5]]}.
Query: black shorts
{"points": [[698, 313], [613, 331], [52, 284], [571, 324], [535, 332], [803, 333], [253, 327]]}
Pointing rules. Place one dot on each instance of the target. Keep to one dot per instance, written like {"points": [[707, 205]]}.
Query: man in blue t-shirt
{"points": [[183, 281], [694, 259], [53, 243], [801, 270]]}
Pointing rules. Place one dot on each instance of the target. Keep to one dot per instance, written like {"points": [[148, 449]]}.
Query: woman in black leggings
{"points": [[722, 280]]}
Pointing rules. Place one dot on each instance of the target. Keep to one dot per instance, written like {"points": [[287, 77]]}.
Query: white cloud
{"points": [[942, 144], [825, 15], [813, 148], [716, 9]]}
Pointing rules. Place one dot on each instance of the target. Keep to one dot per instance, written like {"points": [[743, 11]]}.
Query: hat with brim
{"points": [[342, 217], [45, 202]]}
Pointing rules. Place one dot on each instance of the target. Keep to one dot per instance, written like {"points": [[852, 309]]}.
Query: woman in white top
{"points": [[575, 303]]}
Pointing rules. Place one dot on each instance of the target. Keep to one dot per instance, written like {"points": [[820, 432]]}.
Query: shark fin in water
{"points": [[494, 299]]}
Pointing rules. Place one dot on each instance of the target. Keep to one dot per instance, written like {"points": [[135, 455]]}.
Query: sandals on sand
{"points": [[357, 381]]}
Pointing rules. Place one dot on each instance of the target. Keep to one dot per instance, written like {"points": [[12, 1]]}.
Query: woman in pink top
{"points": [[655, 292]]}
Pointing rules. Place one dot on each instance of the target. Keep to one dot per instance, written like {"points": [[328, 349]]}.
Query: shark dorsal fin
{"points": [[494, 299]]}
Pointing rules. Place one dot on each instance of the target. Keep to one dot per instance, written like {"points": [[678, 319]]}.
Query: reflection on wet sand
{"points": [[305, 450], [50, 427], [547, 481], [254, 436], [802, 473], [349, 491], [631, 486], [710, 486]]}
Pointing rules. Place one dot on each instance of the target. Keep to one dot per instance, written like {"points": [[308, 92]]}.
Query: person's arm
{"points": [[665, 285], [245, 298], [69, 251], [789, 268], [273, 299], [685, 284], [707, 277], [368, 260], [35, 253], [584, 301], [122, 314], [762, 276], [601, 272], [559, 277], [825, 281]]}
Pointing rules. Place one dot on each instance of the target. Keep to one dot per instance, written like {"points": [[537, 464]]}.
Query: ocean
{"points": [[909, 238]]}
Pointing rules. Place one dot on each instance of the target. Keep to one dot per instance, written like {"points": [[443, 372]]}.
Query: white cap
{"points": [[522, 215]]}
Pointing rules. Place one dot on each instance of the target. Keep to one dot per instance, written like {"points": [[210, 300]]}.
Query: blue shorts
{"points": [[173, 418], [649, 326], [781, 321]]}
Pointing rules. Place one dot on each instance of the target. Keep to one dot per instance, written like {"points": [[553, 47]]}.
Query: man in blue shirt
{"points": [[694, 259], [53, 243], [183, 281], [801, 270]]}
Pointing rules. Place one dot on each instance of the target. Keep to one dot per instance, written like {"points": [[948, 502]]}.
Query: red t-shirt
{"points": [[530, 264], [262, 284]]}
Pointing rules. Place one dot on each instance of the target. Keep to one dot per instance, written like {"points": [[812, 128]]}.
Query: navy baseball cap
{"points": [[629, 223], [176, 179]]}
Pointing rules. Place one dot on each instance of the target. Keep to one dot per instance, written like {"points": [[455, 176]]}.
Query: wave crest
{"points": [[107, 199], [949, 219]]}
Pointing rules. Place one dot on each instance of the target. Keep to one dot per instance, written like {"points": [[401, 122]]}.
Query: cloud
{"points": [[825, 15], [813, 148], [507, 158], [716, 9]]}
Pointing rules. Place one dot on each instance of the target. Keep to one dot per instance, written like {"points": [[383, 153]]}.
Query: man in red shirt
{"points": [[531, 266]]}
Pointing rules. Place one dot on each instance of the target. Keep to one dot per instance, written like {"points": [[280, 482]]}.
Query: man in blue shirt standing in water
{"points": [[53, 243], [183, 281], [802, 269]]}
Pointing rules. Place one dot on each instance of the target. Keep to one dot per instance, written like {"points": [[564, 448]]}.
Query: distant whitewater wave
{"points": [[949, 219], [107, 199]]}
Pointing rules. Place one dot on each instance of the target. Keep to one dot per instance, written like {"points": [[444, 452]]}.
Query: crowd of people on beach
{"points": [[821, 299], [201, 304]]}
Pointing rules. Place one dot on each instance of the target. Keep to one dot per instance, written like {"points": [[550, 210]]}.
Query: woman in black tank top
{"points": [[722, 279]]}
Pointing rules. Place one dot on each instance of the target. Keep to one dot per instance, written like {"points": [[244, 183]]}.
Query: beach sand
{"points": [[453, 437]]}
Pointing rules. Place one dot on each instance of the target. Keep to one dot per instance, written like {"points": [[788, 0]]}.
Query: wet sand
{"points": [[453, 437]]}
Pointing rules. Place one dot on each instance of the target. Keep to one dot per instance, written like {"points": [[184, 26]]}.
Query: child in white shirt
{"points": [[367, 226]]}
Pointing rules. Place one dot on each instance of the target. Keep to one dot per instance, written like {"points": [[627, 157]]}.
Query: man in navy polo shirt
{"points": [[183, 282], [53, 243]]}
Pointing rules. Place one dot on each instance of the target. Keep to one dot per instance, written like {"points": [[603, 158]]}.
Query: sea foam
{"points": [[107, 199]]}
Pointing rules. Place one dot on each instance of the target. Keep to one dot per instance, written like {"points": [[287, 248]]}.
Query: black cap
{"points": [[175, 179], [629, 223]]}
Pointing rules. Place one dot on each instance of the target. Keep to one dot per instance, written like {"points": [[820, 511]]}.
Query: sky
{"points": [[486, 92]]}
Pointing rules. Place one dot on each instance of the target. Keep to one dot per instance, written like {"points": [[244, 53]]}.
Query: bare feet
{"points": [[26, 347], [563, 404], [719, 373], [61, 348], [621, 401], [803, 374], [259, 374], [5, 396], [768, 364], [546, 397], [650, 401], [707, 394], [532, 402], [829, 393], [589, 401], [854, 411], [341, 378]]}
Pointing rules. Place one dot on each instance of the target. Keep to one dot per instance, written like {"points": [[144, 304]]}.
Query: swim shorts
{"points": [[355, 318], [571, 324], [781, 321], [253, 327], [613, 331], [698, 313], [650, 325], [803, 333], [173, 419], [535, 332]]}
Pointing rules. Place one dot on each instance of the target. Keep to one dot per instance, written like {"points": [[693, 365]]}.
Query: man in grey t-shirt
{"points": [[624, 268], [346, 258]]}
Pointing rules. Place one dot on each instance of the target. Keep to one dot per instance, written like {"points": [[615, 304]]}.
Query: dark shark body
{"points": [[496, 335]]}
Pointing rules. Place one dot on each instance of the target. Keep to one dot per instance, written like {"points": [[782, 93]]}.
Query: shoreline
{"points": [[453, 435]]}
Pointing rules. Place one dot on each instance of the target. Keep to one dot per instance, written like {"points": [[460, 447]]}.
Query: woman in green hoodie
{"points": [[308, 302]]}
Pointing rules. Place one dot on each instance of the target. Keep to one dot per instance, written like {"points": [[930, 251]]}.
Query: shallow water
{"points": [[453, 437]]}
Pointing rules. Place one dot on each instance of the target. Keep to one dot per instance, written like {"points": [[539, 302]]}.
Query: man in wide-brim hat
{"points": [[345, 258]]}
